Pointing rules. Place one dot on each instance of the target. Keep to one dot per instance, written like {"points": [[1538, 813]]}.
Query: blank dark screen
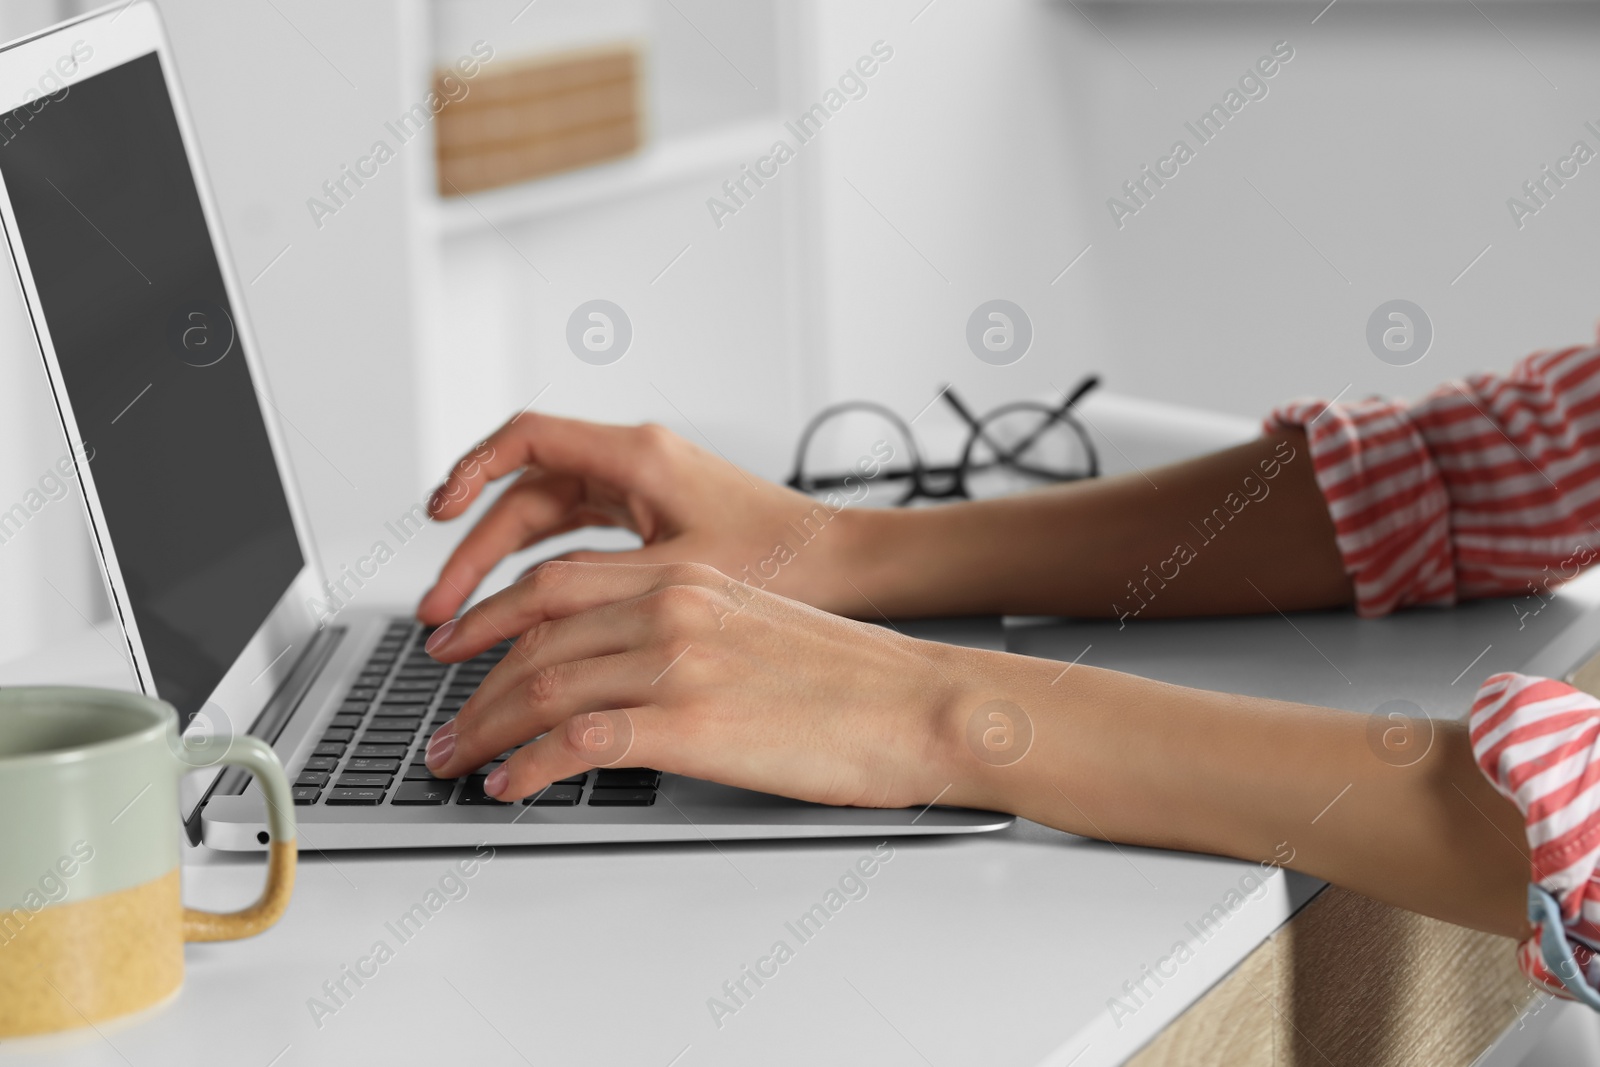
{"points": [[134, 300]]}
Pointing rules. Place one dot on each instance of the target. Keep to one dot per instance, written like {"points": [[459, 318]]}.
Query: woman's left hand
{"points": [[680, 668]]}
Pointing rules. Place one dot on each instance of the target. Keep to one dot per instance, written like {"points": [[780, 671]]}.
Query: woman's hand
{"points": [[684, 503], [680, 668]]}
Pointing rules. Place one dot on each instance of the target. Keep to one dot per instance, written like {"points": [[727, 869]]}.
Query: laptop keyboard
{"points": [[371, 753]]}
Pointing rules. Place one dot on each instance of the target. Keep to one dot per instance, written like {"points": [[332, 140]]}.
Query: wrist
{"points": [[853, 582], [875, 563], [990, 726]]}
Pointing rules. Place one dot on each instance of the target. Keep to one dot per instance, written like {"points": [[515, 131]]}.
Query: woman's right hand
{"points": [[687, 506]]}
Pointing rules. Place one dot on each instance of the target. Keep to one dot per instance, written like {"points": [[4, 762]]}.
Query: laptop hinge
{"points": [[274, 717]]}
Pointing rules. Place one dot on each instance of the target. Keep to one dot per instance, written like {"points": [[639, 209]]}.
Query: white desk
{"points": [[994, 949]]}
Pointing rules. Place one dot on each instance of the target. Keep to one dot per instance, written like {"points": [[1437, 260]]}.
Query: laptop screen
{"points": [[129, 285]]}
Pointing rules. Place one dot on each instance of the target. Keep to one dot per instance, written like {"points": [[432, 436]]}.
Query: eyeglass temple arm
{"points": [[1077, 394], [1089, 382], [1083, 387]]}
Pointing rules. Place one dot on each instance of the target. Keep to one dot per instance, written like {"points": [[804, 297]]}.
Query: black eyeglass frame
{"points": [[954, 477]]}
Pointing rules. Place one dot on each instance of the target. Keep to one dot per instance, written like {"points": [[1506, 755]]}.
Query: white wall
{"points": [[48, 582], [982, 159], [1391, 141]]}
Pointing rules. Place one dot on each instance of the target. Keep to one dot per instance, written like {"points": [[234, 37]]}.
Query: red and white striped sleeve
{"points": [[1538, 741], [1490, 487], [1487, 487]]}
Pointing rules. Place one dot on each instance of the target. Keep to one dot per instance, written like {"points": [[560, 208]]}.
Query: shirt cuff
{"points": [[1388, 502], [1538, 742]]}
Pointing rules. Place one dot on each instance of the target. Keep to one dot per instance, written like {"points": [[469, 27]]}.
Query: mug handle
{"points": [[257, 757]]}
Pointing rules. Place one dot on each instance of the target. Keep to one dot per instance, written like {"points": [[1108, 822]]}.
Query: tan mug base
{"points": [[72, 965]]}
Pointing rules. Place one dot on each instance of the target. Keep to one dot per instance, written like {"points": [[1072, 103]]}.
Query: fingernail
{"points": [[496, 781], [437, 639], [441, 745]]}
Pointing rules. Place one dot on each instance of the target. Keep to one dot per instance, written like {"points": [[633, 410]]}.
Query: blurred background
{"points": [[409, 315], [402, 318]]}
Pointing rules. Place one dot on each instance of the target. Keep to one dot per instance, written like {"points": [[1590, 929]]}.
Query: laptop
{"points": [[194, 516]]}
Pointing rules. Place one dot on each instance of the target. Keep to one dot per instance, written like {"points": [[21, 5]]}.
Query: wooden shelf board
{"points": [[658, 164]]}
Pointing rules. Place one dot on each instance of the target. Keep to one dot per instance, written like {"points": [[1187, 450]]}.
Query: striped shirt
{"points": [[1489, 486], [1539, 743]]}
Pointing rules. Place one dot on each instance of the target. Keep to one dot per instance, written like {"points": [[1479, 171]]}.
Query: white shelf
{"points": [[658, 164]]}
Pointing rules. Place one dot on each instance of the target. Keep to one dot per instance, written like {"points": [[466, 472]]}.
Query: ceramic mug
{"points": [[92, 926]]}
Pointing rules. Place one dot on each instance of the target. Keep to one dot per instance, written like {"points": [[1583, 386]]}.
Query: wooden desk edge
{"points": [[1350, 981]]}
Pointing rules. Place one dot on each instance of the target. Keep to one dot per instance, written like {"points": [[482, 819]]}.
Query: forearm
{"points": [[1142, 762], [1225, 533]]}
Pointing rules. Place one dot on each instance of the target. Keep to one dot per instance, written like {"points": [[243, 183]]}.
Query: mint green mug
{"points": [[92, 924]]}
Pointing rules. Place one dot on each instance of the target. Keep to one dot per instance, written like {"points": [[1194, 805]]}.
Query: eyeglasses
{"points": [[1020, 444]]}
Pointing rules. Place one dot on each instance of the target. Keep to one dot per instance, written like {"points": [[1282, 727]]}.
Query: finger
{"points": [[598, 738], [668, 738], [543, 699], [613, 454], [659, 552], [602, 631], [531, 509], [557, 589]]}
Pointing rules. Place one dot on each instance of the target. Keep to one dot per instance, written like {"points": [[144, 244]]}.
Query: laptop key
{"points": [[355, 796], [338, 733], [621, 798], [306, 794], [347, 719], [381, 751], [361, 694], [322, 763], [418, 772], [386, 737], [576, 779], [627, 778], [406, 698], [557, 796], [407, 723], [364, 764], [316, 778], [364, 781], [329, 748], [355, 706], [435, 792], [472, 792]]}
